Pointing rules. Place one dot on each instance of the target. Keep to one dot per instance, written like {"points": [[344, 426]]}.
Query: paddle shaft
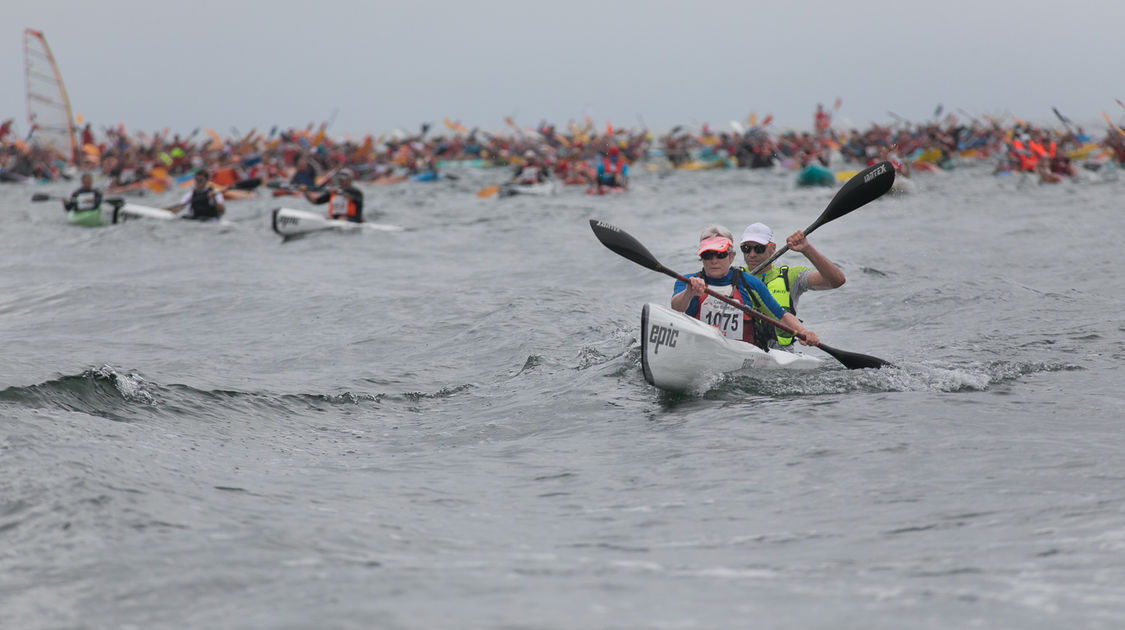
{"points": [[299, 188], [851, 360], [785, 248], [739, 305]]}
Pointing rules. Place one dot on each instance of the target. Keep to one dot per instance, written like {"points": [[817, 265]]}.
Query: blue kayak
{"points": [[427, 176]]}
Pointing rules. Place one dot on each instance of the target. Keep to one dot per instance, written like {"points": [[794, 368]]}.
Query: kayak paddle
{"points": [[111, 201], [626, 246], [249, 183], [866, 186], [1113, 125]]}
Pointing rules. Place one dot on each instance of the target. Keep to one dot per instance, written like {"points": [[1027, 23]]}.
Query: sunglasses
{"points": [[751, 247], [709, 255]]}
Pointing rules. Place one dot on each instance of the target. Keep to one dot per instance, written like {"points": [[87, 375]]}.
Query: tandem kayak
{"points": [[681, 353], [290, 223], [816, 175], [542, 189]]}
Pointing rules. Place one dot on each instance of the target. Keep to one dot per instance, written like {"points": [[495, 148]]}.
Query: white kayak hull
{"points": [[134, 211], [681, 353], [542, 189], [289, 222]]}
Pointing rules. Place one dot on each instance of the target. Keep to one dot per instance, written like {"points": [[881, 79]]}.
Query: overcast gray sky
{"points": [[381, 65]]}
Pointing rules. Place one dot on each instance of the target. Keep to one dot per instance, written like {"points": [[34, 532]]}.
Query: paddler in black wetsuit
{"points": [[345, 201], [205, 201], [85, 198], [304, 174]]}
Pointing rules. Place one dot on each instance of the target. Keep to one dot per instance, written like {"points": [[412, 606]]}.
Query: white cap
{"points": [[758, 233]]}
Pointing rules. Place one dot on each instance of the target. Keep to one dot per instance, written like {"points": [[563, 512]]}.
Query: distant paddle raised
{"points": [[625, 245], [863, 188]]}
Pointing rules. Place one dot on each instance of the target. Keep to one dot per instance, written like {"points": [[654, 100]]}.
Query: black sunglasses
{"points": [[752, 247], [710, 255]]}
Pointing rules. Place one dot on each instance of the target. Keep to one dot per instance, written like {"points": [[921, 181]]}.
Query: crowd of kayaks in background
{"points": [[546, 158]]}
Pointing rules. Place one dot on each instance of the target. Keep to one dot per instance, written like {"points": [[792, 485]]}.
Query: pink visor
{"points": [[715, 244]]}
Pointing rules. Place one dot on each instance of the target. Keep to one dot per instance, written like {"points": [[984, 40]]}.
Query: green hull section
{"points": [[85, 218]]}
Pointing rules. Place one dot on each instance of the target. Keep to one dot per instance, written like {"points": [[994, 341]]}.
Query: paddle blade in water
{"points": [[40, 197], [855, 360], [625, 245], [488, 192]]}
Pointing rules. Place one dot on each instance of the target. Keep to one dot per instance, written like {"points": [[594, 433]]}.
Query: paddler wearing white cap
{"points": [[716, 252], [787, 283]]}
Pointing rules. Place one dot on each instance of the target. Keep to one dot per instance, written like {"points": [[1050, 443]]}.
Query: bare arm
{"points": [[682, 300], [810, 338], [827, 274], [220, 203]]}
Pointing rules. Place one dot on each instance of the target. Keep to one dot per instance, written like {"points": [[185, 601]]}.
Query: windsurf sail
{"points": [[48, 107]]}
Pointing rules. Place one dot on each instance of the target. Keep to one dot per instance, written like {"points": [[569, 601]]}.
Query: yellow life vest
{"points": [[777, 280]]}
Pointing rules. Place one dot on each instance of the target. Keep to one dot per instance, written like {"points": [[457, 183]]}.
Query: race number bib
{"points": [[85, 201], [721, 315], [338, 205]]}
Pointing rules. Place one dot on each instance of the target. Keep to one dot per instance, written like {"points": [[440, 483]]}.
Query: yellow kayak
{"points": [[932, 156], [1082, 152], [699, 165]]}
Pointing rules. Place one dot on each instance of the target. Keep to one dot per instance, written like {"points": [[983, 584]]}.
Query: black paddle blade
{"points": [[855, 360], [625, 245], [249, 183], [863, 188], [40, 197]]}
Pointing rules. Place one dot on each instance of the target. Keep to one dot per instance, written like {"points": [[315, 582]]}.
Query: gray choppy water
{"points": [[447, 427]]}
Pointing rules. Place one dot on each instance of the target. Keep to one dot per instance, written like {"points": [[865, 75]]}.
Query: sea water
{"points": [[447, 427]]}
